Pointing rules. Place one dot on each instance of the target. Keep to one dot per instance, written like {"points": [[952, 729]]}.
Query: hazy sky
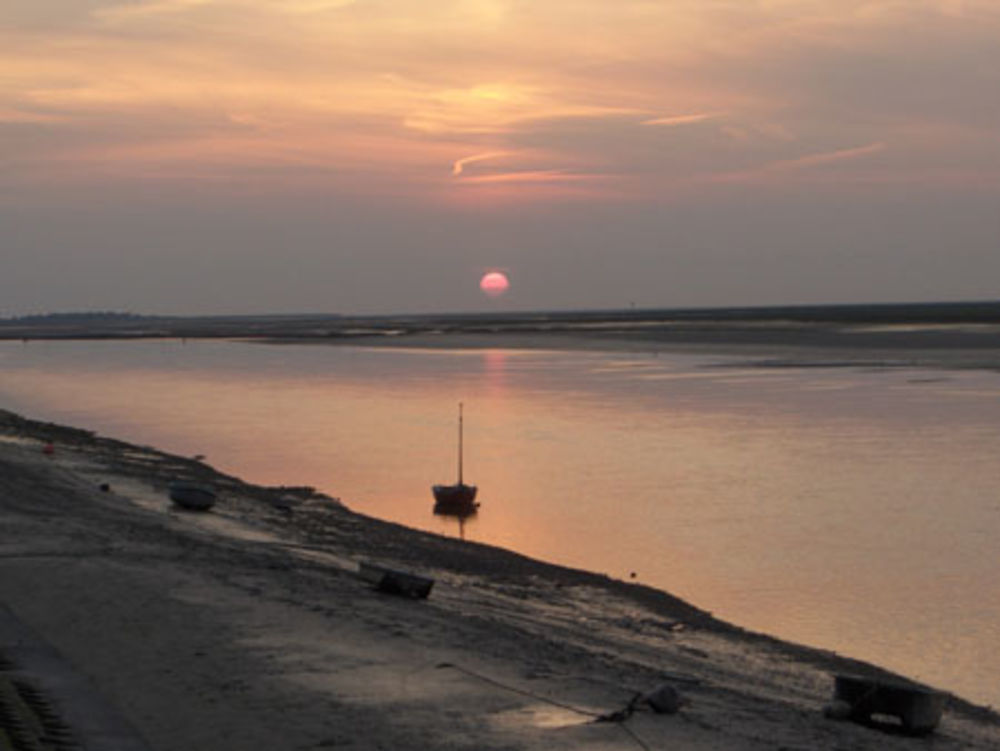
{"points": [[199, 156]]}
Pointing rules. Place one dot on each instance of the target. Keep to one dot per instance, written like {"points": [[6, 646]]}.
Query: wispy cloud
{"points": [[799, 164], [458, 166], [533, 176], [829, 157], [123, 13], [117, 12], [673, 120], [10, 115]]}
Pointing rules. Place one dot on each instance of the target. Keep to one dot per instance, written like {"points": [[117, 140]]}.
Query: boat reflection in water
{"points": [[460, 515]]}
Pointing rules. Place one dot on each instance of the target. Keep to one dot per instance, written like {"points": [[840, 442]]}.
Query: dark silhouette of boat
{"points": [[395, 582], [863, 699], [458, 499], [192, 496]]}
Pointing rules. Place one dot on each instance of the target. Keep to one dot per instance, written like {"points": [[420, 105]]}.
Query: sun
{"points": [[494, 283]]}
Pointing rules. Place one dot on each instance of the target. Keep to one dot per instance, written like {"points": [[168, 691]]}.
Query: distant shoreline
{"points": [[942, 335], [917, 315]]}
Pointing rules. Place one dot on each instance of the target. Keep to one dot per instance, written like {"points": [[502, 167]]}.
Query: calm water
{"points": [[851, 509]]}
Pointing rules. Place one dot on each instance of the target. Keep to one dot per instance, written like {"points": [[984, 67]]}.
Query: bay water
{"points": [[849, 508]]}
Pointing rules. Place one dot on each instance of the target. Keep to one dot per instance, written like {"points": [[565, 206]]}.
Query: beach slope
{"points": [[248, 627]]}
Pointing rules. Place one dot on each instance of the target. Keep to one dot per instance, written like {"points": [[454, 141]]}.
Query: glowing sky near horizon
{"points": [[237, 156]]}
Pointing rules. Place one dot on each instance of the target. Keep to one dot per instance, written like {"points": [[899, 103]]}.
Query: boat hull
{"points": [[192, 497], [455, 499], [918, 708], [395, 582]]}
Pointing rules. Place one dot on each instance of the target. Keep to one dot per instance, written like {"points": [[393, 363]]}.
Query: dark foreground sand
{"points": [[247, 628]]}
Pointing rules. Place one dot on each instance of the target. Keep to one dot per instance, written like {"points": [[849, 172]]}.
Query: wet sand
{"points": [[248, 627]]}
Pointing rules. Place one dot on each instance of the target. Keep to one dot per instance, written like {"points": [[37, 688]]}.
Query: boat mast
{"points": [[460, 443]]}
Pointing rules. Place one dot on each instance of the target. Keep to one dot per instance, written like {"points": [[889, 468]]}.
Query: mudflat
{"points": [[249, 627]]}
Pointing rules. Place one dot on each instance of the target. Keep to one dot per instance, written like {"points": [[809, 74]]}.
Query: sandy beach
{"points": [[248, 627]]}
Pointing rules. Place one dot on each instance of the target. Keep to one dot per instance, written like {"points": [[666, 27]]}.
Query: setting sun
{"points": [[494, 283]]}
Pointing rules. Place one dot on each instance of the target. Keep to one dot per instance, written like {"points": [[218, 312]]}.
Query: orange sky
{"points": [[474, 104]]}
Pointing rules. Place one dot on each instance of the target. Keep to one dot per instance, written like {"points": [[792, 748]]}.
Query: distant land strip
{"points": [[974, 325]]}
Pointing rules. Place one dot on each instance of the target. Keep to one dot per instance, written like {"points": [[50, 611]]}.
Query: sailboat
{"points": [[458, 499]]}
